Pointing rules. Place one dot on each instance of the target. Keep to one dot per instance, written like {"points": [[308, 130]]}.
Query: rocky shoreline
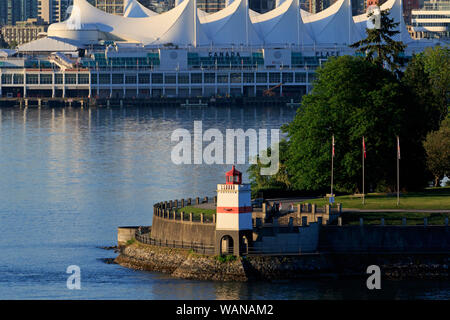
{"points": [[184, 264]]}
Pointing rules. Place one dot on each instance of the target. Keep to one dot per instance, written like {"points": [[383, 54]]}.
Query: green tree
{"points": [[437, 147], [280, 180], [428, 75], [352, 98], [379, 47]]}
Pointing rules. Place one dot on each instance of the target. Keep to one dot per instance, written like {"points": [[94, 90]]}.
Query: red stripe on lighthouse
{"points": [[234, 209]]}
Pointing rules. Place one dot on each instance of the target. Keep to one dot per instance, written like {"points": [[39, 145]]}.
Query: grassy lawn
{"points": [[393, 218], [207, 213], [431, 198]]}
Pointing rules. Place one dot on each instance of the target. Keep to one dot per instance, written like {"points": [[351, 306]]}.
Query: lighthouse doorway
{"points": [[226, 245]]}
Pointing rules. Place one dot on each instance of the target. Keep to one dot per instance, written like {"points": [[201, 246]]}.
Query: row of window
{"points": [[159, 78]]}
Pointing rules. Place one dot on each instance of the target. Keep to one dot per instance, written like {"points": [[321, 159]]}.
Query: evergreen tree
{"points": [[379, 47]]}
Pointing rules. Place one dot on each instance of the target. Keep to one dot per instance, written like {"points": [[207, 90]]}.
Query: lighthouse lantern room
{"points": [[234, 215]]}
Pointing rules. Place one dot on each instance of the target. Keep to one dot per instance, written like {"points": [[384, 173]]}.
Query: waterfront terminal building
{"points": [[186, 52]]}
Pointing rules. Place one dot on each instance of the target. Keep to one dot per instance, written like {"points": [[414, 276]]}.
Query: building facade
{"points": [[23, 31], [432, 21], [52, 11], [110, 6], [210, 6]]}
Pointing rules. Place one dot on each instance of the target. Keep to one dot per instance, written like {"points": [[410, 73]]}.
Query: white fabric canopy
{"points": [[235, 25], [178, 26], [231, 26], [334, 25], [283, 25], [133, 9]]}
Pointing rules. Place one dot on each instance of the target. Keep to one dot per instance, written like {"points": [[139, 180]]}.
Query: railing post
{"points": [[339, 221], [174, 214], [446, 221], [182, 215], [425, 222], [214, 218], [197, 200], [404, 221], [361, 222], [190, 217], [382, 221], [201, 217]]}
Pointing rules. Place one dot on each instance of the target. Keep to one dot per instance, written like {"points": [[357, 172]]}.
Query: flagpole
{"points": [[363, 156], [332, 165], [398, 171]]}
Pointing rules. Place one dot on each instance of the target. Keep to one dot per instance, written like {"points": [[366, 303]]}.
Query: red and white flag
{"points": [[398, 148], [364, 148], [332, 146]]}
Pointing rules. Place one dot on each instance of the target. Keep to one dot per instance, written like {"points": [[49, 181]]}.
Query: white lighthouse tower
{"points": [[234, 215]]}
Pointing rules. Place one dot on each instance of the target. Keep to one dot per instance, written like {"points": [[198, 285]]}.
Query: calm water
{"points": [[69, 177]]}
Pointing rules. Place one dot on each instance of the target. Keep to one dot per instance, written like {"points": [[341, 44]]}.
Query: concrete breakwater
{"points": [[181, 263]]}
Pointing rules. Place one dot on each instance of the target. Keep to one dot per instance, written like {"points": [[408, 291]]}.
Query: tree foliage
{"points": [[437, 147], [428, 75], [379, 47], [354, 98]]}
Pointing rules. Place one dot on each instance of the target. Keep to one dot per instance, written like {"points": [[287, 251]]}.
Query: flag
{"points": [[364, 148], [332, 147], [398, 148]]}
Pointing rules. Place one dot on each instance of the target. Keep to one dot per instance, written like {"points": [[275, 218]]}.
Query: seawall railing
{"points": [[194, 246]]}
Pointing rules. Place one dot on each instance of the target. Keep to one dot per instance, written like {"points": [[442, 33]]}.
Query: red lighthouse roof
{"points": [[233, 176]]}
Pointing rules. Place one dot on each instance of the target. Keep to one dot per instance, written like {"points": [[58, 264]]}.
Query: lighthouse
{"points": [[234, 215]]}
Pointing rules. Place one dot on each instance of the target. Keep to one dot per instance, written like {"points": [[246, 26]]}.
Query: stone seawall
{"points": [[184, 264], [180, 263]]}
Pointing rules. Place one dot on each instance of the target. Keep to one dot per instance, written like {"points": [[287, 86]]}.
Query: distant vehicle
{"points": [[257, 203]]}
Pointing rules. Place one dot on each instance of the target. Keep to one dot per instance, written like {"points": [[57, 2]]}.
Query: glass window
{"points": [[157, 78], [94, 78], [117, 78], [222, 78], [46, 79], [196, 78], [130, 78], [83, 78], [18, 78], [249, 77], [32, 78], [104, 78], [183, 78], [235, 78], [300, 77], [288, 77], [144, 78], [58, 78], [274, 77], [261, 77], [170, 78], [210, 77], [7, 79]]}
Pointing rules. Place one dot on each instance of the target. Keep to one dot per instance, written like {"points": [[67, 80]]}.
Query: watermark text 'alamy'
{"points": [[235, 140]]}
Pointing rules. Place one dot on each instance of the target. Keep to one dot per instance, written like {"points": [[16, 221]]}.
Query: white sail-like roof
{"points": [[395, 8], [282, 25], [133, 9], [334, 25], [178, 26], [231, 26]]}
